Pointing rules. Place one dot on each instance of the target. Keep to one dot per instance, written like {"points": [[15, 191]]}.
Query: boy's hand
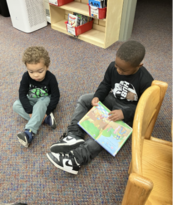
{"points": [[130, 96], [95, 101], [116, 115]]}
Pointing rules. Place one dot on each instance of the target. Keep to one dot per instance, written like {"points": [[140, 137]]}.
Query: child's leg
{"points": [[74, 136], [84, 152], [82, 107], [90, 148], [38, 113], [18, 108], [87, 151], [72, 161]]}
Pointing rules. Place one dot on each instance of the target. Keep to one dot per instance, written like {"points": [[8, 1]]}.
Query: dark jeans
{"points": [[90, 148]]}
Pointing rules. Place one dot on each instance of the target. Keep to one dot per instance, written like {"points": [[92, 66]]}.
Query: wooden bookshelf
{"points": [[105, 32]]}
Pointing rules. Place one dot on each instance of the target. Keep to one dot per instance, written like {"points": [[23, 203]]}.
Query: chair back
{"points": [[144, 120]]}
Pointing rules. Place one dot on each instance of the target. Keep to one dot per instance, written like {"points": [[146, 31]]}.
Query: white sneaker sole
{"points": [[56, 165], [25, 144], [54, 124]]}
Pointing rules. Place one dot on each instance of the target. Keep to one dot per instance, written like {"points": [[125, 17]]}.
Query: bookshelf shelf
{"points": [[105, 31], [93, 36], [76, 7]]}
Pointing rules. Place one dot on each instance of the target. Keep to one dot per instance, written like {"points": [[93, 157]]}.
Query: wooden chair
{"points": [[172, 129], [150, 172]]}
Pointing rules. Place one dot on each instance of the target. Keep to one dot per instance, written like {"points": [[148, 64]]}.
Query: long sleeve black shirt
{"points": [[35, 89], [122, 84]]}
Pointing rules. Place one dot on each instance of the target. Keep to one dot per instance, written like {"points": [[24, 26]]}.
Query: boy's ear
{"points": [[140, 65]]}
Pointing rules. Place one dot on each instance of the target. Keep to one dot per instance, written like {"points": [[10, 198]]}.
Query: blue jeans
{"points": [[38, 112]]}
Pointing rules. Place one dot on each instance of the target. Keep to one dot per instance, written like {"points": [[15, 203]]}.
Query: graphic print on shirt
{"points": [[125, 90], [35, 92]]}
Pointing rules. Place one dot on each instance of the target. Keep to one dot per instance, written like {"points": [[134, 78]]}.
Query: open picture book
{"points": [[110, 135]]}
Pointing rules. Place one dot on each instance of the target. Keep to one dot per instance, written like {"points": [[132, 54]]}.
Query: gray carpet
{"points": [[25, 174]]}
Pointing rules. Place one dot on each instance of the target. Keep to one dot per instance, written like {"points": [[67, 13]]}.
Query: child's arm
{"points": [[105, 86], [55, 95], [23, 91], [145, 80]]}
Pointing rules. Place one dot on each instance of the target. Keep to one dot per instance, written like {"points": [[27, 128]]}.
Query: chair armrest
{"points": [[137, 190]]}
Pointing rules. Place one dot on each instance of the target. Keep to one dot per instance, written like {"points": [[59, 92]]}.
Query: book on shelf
{"points": [[98, 3], [110, 135], [81, 19], [55, 2], [72, 20]]}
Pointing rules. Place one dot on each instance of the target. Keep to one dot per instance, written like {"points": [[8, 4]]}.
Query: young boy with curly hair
{"points": [[38, 94], [124, 82]]}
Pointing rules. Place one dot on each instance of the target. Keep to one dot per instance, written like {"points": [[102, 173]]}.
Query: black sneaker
{"points": [[66, 144], [25, 137], [66, 162], [50, 120]]}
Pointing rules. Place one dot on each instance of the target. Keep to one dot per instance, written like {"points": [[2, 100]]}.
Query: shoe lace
{"points": [[63, 135], [70, 156], [73, 158]]}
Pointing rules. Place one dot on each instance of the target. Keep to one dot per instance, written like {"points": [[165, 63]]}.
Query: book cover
{"points": [[110, 135], [95, 3], [85, 19], [72, 20], [79, 16]]}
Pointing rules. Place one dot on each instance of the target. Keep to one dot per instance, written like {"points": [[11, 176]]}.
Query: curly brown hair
{"points": [[35, 54]]}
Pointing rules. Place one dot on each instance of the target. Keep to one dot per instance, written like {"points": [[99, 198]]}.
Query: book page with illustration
{"points": [[111, 135]]}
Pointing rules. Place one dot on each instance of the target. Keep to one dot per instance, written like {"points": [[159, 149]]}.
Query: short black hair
{"points": [[132, 52]]}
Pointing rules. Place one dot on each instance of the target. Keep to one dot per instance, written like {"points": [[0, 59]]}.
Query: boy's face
{"points": [[125, 68], [37, 71]]}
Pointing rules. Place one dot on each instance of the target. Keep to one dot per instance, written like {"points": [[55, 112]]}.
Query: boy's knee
{"points": [[85, 98], [40, 104], [81, 98], [16, 105]]}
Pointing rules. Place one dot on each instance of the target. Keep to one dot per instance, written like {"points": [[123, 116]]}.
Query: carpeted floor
{"points": [[26, 175]]}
